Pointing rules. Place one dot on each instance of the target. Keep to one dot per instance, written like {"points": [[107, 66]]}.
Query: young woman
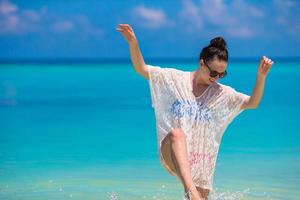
{"points": [[193, 110]]}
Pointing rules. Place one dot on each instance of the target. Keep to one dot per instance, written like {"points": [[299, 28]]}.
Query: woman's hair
{"points": [[217, 48]]}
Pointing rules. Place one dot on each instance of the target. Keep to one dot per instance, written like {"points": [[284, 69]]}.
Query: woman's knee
{"points": [[177, 134]]}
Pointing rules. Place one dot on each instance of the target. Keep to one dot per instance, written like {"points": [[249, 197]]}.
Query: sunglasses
{"points": [[213, 73]]}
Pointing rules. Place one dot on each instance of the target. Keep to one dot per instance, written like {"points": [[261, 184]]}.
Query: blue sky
{"points": [[170, 29]]}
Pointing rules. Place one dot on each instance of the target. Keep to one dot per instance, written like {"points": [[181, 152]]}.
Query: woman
{"points": [[193, 110]]}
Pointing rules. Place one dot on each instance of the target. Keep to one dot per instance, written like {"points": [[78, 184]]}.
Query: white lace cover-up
{"points": [[203, 119]]}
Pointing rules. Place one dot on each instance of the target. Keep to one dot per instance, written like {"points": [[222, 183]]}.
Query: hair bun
{"points": [[219, 43]]}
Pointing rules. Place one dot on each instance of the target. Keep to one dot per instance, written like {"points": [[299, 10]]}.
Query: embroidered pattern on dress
{"points": [[196, 111], [196, 157]]}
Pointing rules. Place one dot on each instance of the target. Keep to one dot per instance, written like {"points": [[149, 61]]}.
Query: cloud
{"points": [[63, 26], [191, 17], [149, 17], [255, 12], [284, 4], [18, 21], [7, 8], [288, 16], [215, 11], [236, 18], [86, 25], [240, 32]]}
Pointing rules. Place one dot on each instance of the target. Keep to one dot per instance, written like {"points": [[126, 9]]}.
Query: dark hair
{"points": [[217, 48]]}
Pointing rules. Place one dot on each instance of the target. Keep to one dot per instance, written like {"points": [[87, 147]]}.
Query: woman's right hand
{"points": [[127, 32]]}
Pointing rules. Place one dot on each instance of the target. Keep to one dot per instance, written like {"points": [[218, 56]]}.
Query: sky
{"points": [[85, 29]]}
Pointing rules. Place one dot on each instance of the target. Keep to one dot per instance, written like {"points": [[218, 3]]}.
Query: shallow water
{"points": [[86, 131]]}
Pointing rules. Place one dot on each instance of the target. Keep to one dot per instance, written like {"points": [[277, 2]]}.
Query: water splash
{"points": [[216, 194], [113, 196]]}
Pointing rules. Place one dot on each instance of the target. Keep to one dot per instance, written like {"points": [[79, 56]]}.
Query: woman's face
{"points": [[213, 65]]}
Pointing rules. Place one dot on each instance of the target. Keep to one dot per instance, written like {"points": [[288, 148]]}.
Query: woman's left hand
{"points": [[264, 66]]}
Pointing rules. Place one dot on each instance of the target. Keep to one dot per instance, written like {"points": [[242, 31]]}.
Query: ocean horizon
{"points": [[126, 60]]}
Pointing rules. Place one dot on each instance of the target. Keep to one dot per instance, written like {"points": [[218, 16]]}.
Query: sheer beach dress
{"points": [[203, 119]]}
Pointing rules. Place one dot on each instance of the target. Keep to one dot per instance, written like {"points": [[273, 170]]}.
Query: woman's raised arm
{"points": [[135, 53], [262, 72]]}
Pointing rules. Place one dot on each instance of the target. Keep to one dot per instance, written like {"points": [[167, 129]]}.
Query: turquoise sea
{"points": [[87, 131]]}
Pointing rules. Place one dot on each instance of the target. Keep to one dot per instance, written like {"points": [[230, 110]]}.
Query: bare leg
{"points": [[180, 159]]}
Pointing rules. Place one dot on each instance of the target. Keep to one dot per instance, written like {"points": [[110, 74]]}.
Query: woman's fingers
{"points": [[126, 31], [265, 65], [127, 26], [124, 28], [266, 61]]}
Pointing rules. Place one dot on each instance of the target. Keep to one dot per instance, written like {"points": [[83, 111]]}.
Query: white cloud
{"points": [[149, 17], [190, 16], [18, 21], [14, 20], [237, 18], [6, 7], [215, 11]]}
